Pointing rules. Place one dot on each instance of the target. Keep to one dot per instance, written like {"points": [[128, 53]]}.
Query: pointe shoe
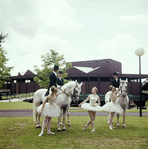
{"points": [[93, 130], [85, 127], [110, 127], [40, 134], [49, 132]]}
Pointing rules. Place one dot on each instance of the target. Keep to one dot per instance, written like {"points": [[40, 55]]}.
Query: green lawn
{"points": [[15, 105], [16, 132], [26, 105]]}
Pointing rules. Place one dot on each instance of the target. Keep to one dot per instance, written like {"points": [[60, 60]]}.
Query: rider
{"points": [[115, 82], [60, 81], [53, 79]]}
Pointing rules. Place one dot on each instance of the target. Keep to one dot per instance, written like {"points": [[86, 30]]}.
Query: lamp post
{"points": [[15, 81], [27, 81], [139, 52]]}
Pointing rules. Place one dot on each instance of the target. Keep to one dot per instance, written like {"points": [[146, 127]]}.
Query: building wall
{"points": [[22, 87]]}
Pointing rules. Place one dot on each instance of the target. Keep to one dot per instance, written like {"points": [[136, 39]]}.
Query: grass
{"points": [[20, 132], [15, 105], [26, 105]]}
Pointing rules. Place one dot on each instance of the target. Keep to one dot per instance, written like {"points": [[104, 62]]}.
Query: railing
{"points": [[19, 96]]}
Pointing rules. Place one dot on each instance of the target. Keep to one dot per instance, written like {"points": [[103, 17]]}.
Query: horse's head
{"points": [[123, 86], [76, 91]]}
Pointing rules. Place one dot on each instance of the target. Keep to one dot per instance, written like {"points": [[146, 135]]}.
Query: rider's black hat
{"points": [[56, 67], [115, 74], [60, 72]]}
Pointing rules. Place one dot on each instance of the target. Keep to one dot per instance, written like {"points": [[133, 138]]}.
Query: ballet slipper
{"points": [[93, 130], [49, 132], [40, 134], [85, 127]]}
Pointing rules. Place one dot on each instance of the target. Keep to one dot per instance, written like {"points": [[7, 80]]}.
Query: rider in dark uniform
{"points": [[53, 79], [60, 81], [115, 82]]}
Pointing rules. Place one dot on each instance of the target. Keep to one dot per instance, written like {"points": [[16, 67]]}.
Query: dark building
{"points": [[92, 73], [22, 83], [99, 73]]}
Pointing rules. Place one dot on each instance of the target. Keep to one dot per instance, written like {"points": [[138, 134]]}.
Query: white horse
{"points": [[122, 100], [63, 101]]}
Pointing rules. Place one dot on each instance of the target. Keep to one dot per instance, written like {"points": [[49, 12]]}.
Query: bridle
{"points": [[74, 92], [73, 95], [123, 91]]}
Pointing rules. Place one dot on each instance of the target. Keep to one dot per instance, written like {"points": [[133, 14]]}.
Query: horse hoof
{"points": [[124, 125], [38, 126], [118, 125], [61, 124], [64, 129], [69, 124], [59, 129]]}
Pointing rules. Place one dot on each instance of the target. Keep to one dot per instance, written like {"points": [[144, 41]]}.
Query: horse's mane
{"points": [[70, 83]]}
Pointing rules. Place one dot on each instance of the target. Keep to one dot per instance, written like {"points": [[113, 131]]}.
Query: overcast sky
{"points": [[78, 29]]}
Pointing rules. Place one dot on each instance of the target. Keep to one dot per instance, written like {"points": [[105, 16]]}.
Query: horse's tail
{"points": [[34, 109], [107, 96]]}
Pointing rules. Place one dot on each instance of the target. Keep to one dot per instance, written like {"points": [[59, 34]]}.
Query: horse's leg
{"points": [[118, 125], [124, 118], [38, 123], [108, 117], [64, 116], [69, 124], [59, 120]]}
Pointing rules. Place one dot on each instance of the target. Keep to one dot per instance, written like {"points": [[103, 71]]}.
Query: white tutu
{"points": [[88, 106], [112, 107], [51, 110]]}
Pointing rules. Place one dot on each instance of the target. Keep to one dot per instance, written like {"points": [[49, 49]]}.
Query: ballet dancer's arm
{"points": [[113, 98], [47, 98], [84, 101], [61, 92], [98, 100], [118, 90]]}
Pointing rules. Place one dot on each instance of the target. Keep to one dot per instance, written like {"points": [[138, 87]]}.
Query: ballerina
{"points": [[49, 110], [112, 106], [92, 107]]}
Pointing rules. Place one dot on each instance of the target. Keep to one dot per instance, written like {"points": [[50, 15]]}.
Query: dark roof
{"points": [[28, 74]]}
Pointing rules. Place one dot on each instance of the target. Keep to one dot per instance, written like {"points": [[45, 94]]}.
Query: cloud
{"points": [[139, 18], [57, 13], [122, 48]]}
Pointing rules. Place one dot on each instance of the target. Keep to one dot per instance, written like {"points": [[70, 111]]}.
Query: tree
{"points": [[49, 60], [4, 70]]}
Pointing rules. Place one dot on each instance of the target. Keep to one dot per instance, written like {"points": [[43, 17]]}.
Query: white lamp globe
{"points": [[139, 52]]}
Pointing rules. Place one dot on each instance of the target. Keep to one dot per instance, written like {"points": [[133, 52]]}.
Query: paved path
{"points": [[27, 112]]}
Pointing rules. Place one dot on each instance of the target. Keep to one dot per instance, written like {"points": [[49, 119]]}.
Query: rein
{"points": [[73, 95], [64, 92]]}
